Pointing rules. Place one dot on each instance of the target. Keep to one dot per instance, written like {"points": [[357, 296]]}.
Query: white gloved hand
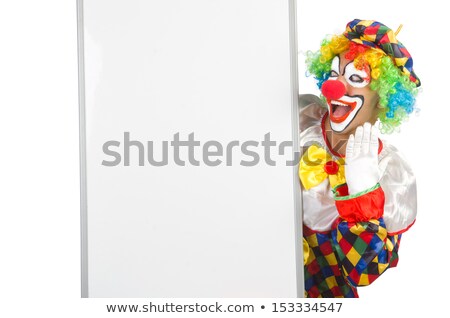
{"points": [[361, 159]]}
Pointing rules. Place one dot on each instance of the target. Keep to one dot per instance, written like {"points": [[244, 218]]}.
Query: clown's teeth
{"points": [[337, 103]]}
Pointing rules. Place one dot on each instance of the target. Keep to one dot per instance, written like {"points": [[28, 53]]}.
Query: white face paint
{"points": [[344, 110], [356, 78], [334, 68]]}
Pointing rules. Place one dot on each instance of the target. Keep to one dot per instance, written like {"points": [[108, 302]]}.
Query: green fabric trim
{"points": [[352, 196]]}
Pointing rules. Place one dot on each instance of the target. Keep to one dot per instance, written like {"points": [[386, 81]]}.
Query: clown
{"points": [[359, 194]]}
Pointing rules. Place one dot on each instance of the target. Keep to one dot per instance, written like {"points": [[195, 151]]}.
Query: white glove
{"points": [[361, 159]]}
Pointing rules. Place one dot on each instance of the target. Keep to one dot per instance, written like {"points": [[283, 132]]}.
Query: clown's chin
{"points": [[341, 118]]}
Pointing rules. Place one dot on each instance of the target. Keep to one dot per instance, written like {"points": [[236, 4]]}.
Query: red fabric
{"points": [[363, 208], [342, 190]]}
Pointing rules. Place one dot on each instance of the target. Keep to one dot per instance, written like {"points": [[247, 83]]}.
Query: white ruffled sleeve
{"points": [[399, 185]]}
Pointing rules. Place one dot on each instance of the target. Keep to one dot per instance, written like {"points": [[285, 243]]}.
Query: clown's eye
{"points": [[334, 74], [334, 68], [356, 78]]}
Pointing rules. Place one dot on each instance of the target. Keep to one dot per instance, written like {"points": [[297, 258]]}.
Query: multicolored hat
{"points": [[377, 35]]}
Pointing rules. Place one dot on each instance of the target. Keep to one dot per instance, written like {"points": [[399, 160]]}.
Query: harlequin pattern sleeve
{"points": [[365, 250], [367, 234]]}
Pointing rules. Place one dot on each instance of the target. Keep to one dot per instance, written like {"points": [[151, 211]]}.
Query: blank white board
{"points": [[224, 73]]}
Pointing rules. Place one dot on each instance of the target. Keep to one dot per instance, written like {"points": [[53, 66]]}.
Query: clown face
{"points": [[350, 100]]}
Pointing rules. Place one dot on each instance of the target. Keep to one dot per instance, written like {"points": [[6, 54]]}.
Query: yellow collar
{"points": [[316, 165]]}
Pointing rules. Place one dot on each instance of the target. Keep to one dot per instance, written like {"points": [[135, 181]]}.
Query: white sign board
{"points": [[188, 114]]}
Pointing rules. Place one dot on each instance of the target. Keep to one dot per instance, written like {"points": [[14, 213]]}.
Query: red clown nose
{"points": [[333, 89]]}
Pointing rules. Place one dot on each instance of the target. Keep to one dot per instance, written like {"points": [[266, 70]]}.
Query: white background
{"points": [[39, 176]]}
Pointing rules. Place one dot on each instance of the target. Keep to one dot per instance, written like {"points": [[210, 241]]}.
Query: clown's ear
{"points": [[379, 105]]}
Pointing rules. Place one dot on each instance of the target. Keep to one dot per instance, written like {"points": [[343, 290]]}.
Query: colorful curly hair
{"points": [[395, 89]]}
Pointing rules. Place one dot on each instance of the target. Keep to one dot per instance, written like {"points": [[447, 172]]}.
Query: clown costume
{"points": [[359, 193]]}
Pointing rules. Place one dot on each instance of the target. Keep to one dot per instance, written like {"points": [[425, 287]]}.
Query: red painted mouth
{"points": [[339, 109]]}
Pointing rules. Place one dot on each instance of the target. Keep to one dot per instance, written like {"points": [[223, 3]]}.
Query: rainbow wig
{"points": [[395, 85]]}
